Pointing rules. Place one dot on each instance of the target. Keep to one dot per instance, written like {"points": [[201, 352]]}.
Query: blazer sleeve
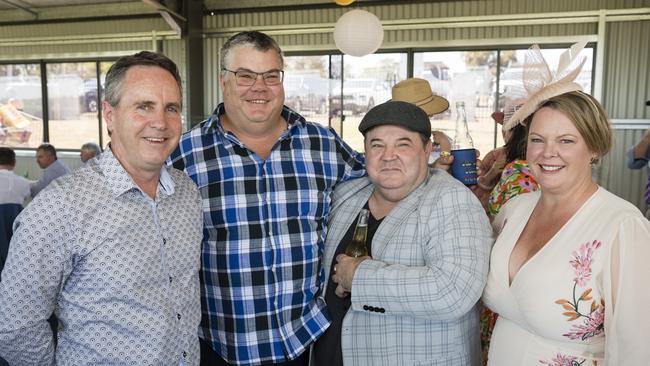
{"points": [[455, 237], [627, 319]]}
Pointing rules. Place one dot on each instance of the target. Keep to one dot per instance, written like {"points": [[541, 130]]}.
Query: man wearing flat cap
{"points": [[413, 300]]}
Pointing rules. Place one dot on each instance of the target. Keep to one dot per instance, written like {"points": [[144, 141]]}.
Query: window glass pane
{"points": [[306, 86], [21, 105], [367, 81], [512, 61], [103, 69], [72, 104], [336, 75], [463, 76], [512, 66]]}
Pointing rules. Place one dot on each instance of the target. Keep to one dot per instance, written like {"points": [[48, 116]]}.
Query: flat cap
{"points": [[397, 113]]}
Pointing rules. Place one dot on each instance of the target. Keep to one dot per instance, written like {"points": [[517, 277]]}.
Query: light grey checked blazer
{"points": [[415, 302]]}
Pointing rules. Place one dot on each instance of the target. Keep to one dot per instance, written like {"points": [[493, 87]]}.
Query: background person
{"points": [[113, 248], [414, 301], [638, 156], [515, 175], [52, 167], [569, 267], [14, 192], [88, 151], [266, 176]]}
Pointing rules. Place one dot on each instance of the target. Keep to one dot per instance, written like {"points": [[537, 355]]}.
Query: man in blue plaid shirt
{"points": [[266, 176]]}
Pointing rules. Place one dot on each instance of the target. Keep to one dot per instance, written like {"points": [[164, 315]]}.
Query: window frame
{"points": [[45, 97], [411, 51]]}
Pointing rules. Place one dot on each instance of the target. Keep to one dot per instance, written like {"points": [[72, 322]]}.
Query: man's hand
{"points": [[440, 140], [343, 273], [642, 146], [444, 161]]}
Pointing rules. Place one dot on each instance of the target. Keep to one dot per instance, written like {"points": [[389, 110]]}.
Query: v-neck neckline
{"points": [[510, 283]]}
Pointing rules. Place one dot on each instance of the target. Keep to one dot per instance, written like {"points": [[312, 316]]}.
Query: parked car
{"points": [[359, 96], [90, 98], [351, 107], [306, 93]]}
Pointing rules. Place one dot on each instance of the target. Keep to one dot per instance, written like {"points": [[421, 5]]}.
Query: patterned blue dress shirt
{"points": [[119, 269], [264, 229]]}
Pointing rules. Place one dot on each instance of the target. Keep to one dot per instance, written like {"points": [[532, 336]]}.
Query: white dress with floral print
{"points": [[583, 299]]}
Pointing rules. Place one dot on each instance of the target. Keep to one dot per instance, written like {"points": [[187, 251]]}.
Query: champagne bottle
{"points": [[463, 167], [358, 248]]}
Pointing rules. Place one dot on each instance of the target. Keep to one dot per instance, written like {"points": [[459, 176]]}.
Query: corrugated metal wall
{"points": [[86, 28], [50, 40], [175, 50], [626, 88], [613, 173], [627, 69]]}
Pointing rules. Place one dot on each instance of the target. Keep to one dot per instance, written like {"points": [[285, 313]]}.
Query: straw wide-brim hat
{"points": [[418, 91]]}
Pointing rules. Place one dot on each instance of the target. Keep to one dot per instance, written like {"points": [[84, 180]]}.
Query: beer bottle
{"points": [[463, 167], [358, 248]]}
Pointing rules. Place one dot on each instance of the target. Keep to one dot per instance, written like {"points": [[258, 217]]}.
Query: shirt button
{"points": [[170, 279], [164, 241], [178, 316], [184, 354]]}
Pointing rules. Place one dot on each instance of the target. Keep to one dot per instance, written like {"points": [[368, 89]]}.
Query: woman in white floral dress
{"points": [[570, 269]]}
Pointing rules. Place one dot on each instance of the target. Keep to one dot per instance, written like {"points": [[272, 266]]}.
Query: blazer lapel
{"points": [[345, 209]]}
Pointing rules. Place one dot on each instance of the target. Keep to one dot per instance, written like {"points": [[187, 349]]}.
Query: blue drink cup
{"points": [[464, 166]]}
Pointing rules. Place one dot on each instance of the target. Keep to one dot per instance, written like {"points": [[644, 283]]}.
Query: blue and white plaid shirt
{"points": [[264, 230]]}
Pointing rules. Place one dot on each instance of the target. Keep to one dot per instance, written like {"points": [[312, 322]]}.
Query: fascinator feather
{"points": [[540, 83]]}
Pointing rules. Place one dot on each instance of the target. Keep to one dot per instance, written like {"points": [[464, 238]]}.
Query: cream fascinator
{"points": [[541, 84]]}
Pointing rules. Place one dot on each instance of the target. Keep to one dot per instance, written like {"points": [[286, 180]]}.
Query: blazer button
{"points": [[382, 310], [365, 307], [371, 308]]}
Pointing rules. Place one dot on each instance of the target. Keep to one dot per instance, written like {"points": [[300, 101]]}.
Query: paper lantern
{"points": [[358, 33]]}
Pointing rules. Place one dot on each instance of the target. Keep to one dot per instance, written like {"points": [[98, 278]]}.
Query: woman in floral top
{"points": [[516, 177]]}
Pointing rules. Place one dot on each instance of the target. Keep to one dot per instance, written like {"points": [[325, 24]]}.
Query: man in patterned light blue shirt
{"points": [[266, 176], [113, 248]]}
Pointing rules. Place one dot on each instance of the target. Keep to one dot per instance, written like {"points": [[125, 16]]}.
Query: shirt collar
{"points": [[120, 181], [213, 123]]}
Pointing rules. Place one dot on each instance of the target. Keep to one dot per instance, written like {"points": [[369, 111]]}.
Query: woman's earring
{"points": [[593, 161]]}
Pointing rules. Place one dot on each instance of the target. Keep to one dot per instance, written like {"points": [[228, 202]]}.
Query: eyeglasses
{"points": [[248, 78]]}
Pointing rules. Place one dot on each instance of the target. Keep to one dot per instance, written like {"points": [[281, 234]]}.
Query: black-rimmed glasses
{"points": [[247, 77]]}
